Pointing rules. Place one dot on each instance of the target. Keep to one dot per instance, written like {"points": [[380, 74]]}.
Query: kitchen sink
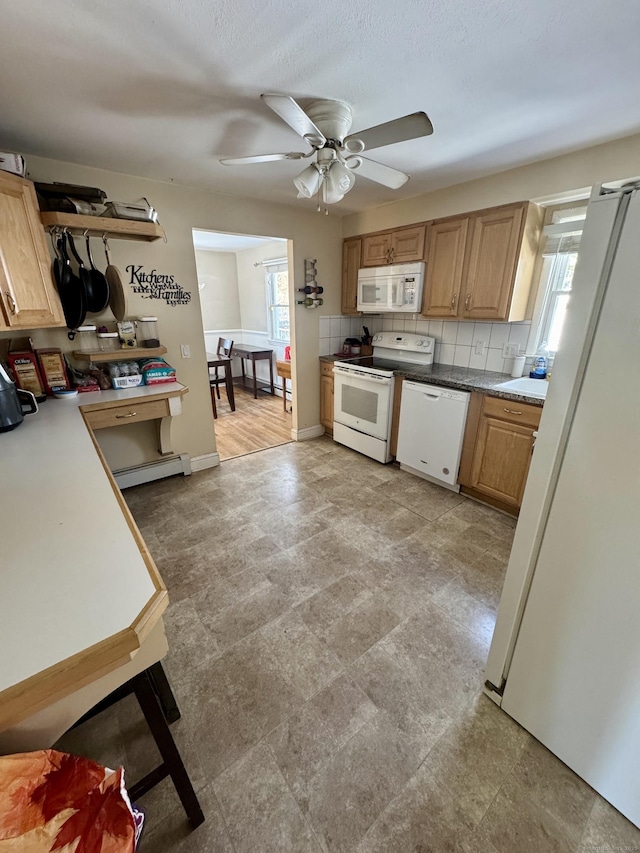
{"points": [[526, 386]]}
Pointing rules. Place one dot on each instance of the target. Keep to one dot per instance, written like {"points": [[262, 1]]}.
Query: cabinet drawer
{"points": [[128, 413], [326, 369], [512, 410]]}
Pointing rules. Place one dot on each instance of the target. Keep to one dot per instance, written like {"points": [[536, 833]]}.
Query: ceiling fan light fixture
{"points": [[331, 195], [308, 181], [340, 180]]}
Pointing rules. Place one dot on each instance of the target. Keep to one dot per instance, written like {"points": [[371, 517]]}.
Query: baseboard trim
{"points": [[135, 476], [207, 460], [307, 433]]}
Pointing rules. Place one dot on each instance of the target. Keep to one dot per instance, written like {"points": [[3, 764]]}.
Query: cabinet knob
{"points": [[11, 301], [454, 299], [512, 411], [128, 415], [467, 302]]}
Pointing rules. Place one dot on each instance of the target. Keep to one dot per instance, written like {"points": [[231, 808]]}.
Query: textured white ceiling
{"points": [[214, 241], [164, 89]]}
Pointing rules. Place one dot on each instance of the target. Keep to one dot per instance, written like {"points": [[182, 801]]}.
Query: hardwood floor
{"points": [[255, 424]]}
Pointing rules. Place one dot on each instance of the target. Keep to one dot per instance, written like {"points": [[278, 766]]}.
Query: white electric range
{"points": [[363, 391]]}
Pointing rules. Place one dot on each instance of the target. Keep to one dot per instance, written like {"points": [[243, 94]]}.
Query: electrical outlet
{"points": [[510, 350], [185, 350], [480, 348]]}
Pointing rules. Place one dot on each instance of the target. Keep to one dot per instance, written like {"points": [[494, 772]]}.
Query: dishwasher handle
{"points": [[433, 392]]}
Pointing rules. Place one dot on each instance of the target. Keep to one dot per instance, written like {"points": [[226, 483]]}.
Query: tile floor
{"points": [[329, 622]]}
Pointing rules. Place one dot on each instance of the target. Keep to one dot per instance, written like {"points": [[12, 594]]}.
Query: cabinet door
{"points": [[326, 402], [492, 263], [407, 244], [445, 264], [351, 254], [376, 250], [28, 297], [503, 449]]}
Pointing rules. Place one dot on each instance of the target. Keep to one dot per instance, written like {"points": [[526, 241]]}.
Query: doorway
{"points": [[244, 288]]}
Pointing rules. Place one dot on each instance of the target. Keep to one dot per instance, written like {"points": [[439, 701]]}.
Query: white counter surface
{"points": [[71, 572]]}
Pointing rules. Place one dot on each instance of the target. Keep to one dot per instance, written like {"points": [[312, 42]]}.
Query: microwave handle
{"points": [[398, 292]]}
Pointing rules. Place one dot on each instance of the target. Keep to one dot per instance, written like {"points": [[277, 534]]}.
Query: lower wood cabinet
{"points": [[497, 450], [326, 396]]}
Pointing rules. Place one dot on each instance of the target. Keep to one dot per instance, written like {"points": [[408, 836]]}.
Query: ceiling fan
{"points": [[325, 126]]}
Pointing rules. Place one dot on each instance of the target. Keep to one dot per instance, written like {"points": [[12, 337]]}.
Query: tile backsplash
{"points": [[456, 342]]}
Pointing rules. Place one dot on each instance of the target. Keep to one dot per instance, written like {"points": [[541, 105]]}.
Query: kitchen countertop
{"points": [[73, 574], [465, 379]]}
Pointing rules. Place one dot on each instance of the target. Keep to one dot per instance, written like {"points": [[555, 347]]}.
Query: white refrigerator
{"points": [[565, 657]]}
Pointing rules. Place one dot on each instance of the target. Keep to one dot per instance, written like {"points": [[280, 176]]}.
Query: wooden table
{"points": [[283, 369], [254, 354]]}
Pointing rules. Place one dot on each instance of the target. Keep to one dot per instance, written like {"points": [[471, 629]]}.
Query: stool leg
{"points": [[152, 711], [163, 691]]}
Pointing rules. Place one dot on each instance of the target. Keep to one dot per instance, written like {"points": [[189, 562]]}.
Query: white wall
{"points": [[251, 284], [219, 297], [608, 162]]}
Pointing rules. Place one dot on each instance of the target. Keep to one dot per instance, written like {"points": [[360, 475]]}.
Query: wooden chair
{"points": [[222, 359]]}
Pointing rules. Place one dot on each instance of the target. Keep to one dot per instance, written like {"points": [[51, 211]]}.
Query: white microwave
{"points": [[397, 287]]}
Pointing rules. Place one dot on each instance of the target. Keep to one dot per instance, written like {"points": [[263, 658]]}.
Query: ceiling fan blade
{"points": [[292, 113], [384, 175], [262, 158], [398, 130]]}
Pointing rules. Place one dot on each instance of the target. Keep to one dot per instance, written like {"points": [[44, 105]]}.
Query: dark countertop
{"points": [[448, 375]]}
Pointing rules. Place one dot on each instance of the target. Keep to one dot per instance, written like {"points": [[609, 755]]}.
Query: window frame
{"points": [[549, 273], [277, 266]]}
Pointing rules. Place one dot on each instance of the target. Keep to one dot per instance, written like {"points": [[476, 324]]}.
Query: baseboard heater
{"points": [[127, 477]]}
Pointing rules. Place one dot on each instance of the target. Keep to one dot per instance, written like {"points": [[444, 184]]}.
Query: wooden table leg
{"points": [[255, 379], [273, 390], [284, 392], [228, 381], [213, 401]]}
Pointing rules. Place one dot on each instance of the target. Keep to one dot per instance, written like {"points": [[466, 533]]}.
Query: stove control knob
{"points": [[420, 343]]}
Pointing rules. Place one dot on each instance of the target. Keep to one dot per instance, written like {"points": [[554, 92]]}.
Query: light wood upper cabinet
{"points": [[28, 297], [394, 247], [492, 263], [446, 243], [351, 255], [498, 247], [503, 449], [376, 250], [407, 244]]}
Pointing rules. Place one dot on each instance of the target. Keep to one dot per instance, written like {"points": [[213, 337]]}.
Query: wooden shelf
{"points": [[96, 226], [132, 354]]}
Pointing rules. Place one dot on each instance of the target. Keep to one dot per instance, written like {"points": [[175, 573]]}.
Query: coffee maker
{"points": [[14, 402]]}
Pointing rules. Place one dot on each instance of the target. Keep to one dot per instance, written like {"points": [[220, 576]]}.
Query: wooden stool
{"points": [[283, 369]]}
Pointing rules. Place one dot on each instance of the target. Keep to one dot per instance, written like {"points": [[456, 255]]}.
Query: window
{"points": [[277, 280], [561, 241]]}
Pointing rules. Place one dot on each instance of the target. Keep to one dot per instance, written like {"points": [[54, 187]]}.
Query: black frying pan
{"points": [[71, 290], [85, 277], [99, 284]]}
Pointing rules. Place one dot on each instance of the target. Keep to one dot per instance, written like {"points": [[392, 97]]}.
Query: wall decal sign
{"points": [[154, 285]]}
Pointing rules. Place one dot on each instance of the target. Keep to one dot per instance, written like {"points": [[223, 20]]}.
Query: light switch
{"points": [[185, 350], [510, 350]]}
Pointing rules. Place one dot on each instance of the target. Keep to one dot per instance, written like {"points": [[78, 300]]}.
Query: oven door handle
{"points": [[369, 377]]}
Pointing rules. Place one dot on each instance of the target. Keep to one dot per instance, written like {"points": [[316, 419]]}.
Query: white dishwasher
{"points": [[431, 431]]}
